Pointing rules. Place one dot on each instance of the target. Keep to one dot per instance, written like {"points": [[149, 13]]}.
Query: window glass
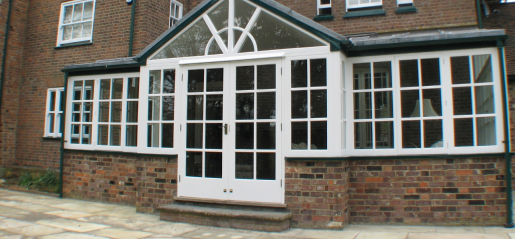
{"points": [[161, 108], [76, 22], [54, 112]]}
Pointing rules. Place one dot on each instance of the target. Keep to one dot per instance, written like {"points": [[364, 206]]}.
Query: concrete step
{"points": [[229, 216]]}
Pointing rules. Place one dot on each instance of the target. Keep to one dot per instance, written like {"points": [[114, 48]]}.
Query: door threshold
{"points": [[230, 202]]}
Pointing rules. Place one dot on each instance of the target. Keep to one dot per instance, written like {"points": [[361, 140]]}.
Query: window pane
{"points": [[244, 13], [133, 88], [265, 166], [266, 77], [324, 11], [214, 107], [153, 135], [299, 73], [51, 104], [191, 42], [103, 114], [213, 165], [299, 135], [51, 124], [88, 10], [77, 12], [245, 78], [154, 82], [432, 102], [68, 14], [194, 136], [299, 104], [362, 76], [89, 89], [318, 70], [131, 136], [213, 136], [244, 165], [410, 103], [58, 123], [220, 15], [169, 81], [77, 30], [319, 135], [168, 107], [266, 105], [463, 132], [482, 68], [411, 134], [167, 136], [195, 80], [484, 99], [76, 112], [67, 32], [244, 135], [105, 89], [363, 135], [116, 111], [383, 104], [382, 75], [247, 45], [462, 100], [86, 134], [195, 107], [460, 70], [86, 113], [77, 90], [384, 135], [245, 106], [215, 80], [409, 73], [154, 108], [430, 71], [194, 164], [362, 105], [86, 29], [103, 134], [61, 100], [318, 103], [117, 89], [266, 135], [485, 131], [75, 131], [132, 112], [433, 137], [116, 135]]}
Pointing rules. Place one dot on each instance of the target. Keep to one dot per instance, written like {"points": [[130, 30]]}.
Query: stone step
{"points": [[238, 218]]}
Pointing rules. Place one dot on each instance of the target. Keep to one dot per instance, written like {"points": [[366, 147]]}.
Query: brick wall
{"points": [[145, 182], [503, 19], [11, 86], [317, 194]]}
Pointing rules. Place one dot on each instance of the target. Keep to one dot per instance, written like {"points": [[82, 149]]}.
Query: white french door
{"points": [[231, 133]]}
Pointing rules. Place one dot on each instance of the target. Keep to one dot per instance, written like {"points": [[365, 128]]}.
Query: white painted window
{"points": [[54, 112], [161, 109], [324, 7], [430, 104], [352, 4], [175, 12], [76, 22], [404, 2]]}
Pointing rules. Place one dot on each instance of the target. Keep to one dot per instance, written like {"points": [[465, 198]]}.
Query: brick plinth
{"points": [[145, 182]]}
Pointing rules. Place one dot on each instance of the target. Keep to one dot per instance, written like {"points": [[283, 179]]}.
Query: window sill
{"points": [[323, 18], [406, 9], [48, 137], [365, 13], [73, 44]]}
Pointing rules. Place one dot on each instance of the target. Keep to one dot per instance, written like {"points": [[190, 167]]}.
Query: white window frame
{"points": [[60, 31], [56, 113], [175, 12], [363, 5], [401, 2], [322, 6], [447, 105]]}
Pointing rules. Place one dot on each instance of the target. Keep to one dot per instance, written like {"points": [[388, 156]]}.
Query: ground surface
{"points": [[26, 215]]}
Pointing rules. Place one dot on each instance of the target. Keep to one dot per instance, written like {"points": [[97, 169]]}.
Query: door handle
{"points": [[226, 129], [225, 190]]}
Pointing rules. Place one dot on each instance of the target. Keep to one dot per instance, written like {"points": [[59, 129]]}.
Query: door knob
{"points": [[225, 190], [230, 190]]}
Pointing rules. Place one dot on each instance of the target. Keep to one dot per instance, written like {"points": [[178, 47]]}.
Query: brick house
{"points": [[265, 114]]}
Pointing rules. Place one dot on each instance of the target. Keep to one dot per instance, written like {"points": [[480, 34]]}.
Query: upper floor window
{"points": [[402, 3], [76, 22], [324, 7], [175, 12], [54, 112], [352, 4]]}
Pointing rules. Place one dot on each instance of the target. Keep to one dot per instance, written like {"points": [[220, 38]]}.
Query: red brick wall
{"points": [[317, 193], [428, 191], [145, 182], [504, 19], [11, 86]]}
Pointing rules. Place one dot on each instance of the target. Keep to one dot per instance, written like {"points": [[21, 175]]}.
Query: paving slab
{"points": [[381, 228], [382, 235], [121, 233], [35, 208], [173, 229], [460, 230], [421, 235], [71, 225], [13, 237], [79, 206], [498, 230], [12, 223], [35, 230], [345, 234], [72, 235], [216, 233], [69, 214], [132, 223]]}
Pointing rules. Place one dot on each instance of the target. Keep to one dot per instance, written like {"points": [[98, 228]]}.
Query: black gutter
{"points": [[507, 154], [4, 52], [63, 133], [131, 36], [479, 22]]}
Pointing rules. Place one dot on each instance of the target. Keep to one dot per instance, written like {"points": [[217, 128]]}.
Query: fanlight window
{"points": [[247, 29]]}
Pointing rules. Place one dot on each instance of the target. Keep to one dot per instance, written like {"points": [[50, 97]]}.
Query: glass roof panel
{"points": [[243, 14], [220, 15], [247, 45], [191, 42], [214, 49]]}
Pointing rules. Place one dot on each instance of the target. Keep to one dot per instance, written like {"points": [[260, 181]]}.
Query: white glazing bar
{"points": [[247, 30], [230, 40], [213, 31]]}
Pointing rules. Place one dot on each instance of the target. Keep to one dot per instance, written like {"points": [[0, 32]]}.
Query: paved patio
{"points": [[25, 215]]}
